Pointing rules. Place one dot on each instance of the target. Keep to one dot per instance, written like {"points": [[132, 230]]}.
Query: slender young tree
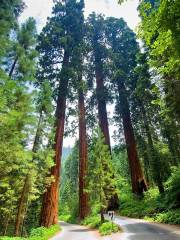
{"points": [[24, 50], [101, 184], [44, 107]]}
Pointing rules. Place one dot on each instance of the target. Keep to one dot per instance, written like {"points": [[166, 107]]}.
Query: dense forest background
{"points": [[59, 83]]}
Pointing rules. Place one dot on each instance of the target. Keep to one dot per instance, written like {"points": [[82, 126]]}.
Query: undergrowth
{"points": [[105, 228], [40, 233]]}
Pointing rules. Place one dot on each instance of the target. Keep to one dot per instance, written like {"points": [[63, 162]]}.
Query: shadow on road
{"points": [[81, 230], [144, 231]]}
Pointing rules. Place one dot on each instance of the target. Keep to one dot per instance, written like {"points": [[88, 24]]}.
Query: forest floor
{"points": [[133, 229]]}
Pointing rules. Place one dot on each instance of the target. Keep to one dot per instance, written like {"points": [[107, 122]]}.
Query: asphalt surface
{"points": [[136, 229], [133, 229], [74, 232]]}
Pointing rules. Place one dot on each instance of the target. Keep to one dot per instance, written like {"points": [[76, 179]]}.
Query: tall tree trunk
{"points": [[101, 101], [27, 186], [103, 119], [49, 213], [137, 178], [21, 207], [83, 156], [170, 133], [13, 67], [155, 163]]}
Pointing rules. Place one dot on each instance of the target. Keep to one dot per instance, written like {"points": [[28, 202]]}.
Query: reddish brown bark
{"points": [[101, 101], [49, 214], [137, 177], [83, 158], [103, 119]]}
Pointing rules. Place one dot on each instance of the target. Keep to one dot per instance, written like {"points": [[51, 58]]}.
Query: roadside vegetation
{"points": [[105, 228], [40, 233], [163, 208]]}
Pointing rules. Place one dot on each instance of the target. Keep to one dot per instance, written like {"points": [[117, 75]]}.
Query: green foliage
{"points": [[160, 32], [100, 181], [154, 207], [65, 217], [170, 217], [40, 233], [107, 228], [92, 221], [173, 187], [69, 188]]}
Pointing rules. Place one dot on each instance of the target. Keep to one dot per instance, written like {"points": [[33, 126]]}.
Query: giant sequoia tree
{"points": [[61, 33], [123, 51], [96, 35]]}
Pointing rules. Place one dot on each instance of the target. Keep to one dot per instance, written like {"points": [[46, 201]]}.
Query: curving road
{"points": [[136, 229], [133, 229]]}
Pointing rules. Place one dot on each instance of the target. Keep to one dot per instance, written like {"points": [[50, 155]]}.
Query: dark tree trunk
{"points": [[49, 213], [155, 163], [137, 178], [26, 187], [13, 67], [103, 119], [173, 141], [101, 101], [83, 156], [102, 216], [22, 205]]}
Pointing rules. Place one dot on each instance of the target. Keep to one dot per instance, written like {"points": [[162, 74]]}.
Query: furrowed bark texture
{"points": [[103, 119], [137, 177], [83, 158], [101, 101], [49, 214]]}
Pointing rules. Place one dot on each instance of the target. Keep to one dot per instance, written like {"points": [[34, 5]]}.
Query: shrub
{"points": [[92, 221], [107, 228], [11, 238], [43, 233], [65, 217], [172, 217], [40, 233], [173, 188]]}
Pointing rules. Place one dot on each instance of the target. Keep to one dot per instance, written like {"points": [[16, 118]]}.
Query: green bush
{"points": [[65, 217], [40, 233], [173, 188], [172, 217], [107, 228], [11, 238], [43, 233], [92, 221], [149, 206]]}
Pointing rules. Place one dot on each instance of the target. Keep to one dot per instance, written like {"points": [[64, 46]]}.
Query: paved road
{"points": [[77, 232], [134, 229], [74, 232]]}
